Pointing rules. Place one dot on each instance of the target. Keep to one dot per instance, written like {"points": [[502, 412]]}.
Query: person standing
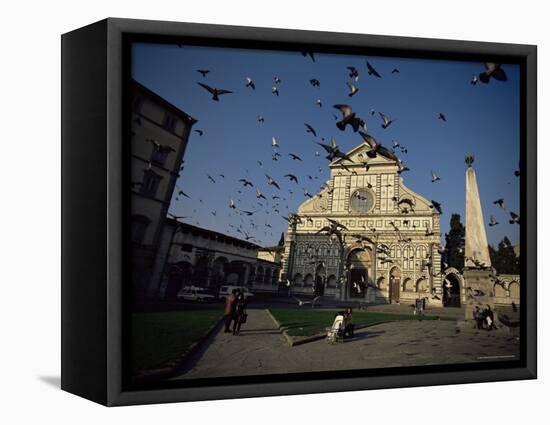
{"points": [[478, 317], [229, 309], [240, 312], [349, 327]]}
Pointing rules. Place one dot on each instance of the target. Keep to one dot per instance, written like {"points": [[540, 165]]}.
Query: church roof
{"points": [[358, 154]]}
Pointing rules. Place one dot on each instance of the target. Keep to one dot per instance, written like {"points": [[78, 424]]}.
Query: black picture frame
{"points": [[93, 173]]}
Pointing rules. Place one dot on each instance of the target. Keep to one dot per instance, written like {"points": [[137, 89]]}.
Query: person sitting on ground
{"points": [[490, 318], [337, 328], [349, 327]]}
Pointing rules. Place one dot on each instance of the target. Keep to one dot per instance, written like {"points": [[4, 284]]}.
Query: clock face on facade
{"points": [[362, 201]]}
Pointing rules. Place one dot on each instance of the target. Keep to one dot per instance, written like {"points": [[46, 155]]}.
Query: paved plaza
{"points": [[262, 349]]}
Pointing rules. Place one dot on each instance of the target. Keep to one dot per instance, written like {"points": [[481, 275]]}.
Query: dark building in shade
{"points": [[159, 134], [190, 255]]}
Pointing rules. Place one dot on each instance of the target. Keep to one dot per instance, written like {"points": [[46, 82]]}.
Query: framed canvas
{"points": [[251, 212]]}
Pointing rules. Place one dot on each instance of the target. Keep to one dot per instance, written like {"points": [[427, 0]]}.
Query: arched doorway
{"points": [[421, 285], [200, 272], [451, 291], [259, 274], [236, 273], [179, 275], [298, 279], [408, 285], [359, 265], [267, 276], [320, 275], [499, 291], [395, 285], [218, 273], [308, 281]]}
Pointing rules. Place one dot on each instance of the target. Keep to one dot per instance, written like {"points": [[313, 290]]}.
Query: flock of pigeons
{"points": [[275, 203]]}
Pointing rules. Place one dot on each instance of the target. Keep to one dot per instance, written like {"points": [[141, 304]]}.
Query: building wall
{"points": [[508, 292], [189, 255], [154, 123]]}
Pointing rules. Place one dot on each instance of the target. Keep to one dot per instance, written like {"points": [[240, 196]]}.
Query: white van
{"points": [[195, 293], [226, 290]]}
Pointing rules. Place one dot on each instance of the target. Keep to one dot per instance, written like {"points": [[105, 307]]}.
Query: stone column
{"points": [[477, 262], [477, 248], [287, 262]]}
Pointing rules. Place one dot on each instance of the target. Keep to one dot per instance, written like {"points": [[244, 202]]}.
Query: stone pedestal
{"points": [[477, 279]]}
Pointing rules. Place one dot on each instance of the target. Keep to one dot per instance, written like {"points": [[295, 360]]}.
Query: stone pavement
{"points": [[261, 349]]}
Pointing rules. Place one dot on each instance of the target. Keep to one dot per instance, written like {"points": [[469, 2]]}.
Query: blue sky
{"points": [[482, 120]]}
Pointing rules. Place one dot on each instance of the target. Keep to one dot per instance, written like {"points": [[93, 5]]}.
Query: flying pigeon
{"points": [[310, 54], [500, 203], [333, 151], [353, 73], [259, 194], [372, 71], [493, 70], [272, 182], [386, 120], [310, 129], [315, 82], [246, 182], [215, 91], [348, 118], [292, 177], [437, 206], [353, 89], [376, 148], [250, 83]]}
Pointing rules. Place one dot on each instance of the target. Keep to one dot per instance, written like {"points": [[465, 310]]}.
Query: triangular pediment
{"points": [[359, 156]]}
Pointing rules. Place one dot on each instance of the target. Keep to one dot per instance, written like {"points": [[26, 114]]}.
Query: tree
{"points": [[504, 259], [282, 240], [454, 243]]}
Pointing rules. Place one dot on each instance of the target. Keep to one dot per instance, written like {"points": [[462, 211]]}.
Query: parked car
{"points": [[195, 293], [228, 289]]}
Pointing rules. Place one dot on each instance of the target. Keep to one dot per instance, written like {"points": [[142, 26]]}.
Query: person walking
{"points": [[229, 310], [240, 313]]}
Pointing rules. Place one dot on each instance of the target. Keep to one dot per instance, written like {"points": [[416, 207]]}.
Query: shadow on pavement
{"points": [[360, 335]]}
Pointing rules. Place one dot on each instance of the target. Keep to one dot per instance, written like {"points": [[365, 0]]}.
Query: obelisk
{"points": [[477, 262]]}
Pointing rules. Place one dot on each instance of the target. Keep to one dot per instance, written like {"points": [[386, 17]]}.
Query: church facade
{"points": [[390, 236]]}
